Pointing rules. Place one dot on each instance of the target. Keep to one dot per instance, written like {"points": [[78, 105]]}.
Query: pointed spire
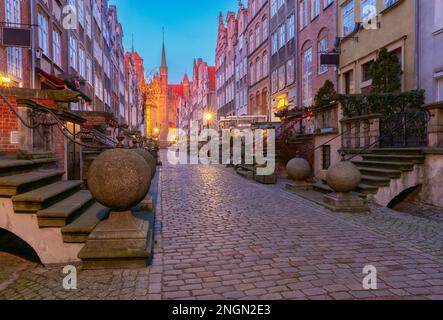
{"points": [[164, 64]]}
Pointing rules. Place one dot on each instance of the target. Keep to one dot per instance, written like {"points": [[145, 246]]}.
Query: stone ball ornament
{"points": [[119, 179], [298, 169], [343, 177], [149, 158]]}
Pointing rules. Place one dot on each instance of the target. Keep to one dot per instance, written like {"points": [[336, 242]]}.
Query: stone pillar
{"points": [[374, 130], [435, 126]]}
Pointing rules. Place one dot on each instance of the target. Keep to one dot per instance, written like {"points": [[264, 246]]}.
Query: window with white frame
{"points": [[348, 20], [291, 26], [257, 35], [13, 55], [307, 78], [81, 12], [368, 10], [273, 7], [303, 14], [82, 62], [56, 47], [315, 9], [88, 70], [73, 52], [265, 64], [258, 68], [265, 28], [322, 48], [43, 41], [274, 43], [282, 35]]}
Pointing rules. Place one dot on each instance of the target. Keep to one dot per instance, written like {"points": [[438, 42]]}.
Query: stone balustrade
{"points": [[360, 132], [435, 126]]}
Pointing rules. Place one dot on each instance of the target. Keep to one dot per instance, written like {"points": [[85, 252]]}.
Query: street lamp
{"points": [[208, 117], [5, 81]]}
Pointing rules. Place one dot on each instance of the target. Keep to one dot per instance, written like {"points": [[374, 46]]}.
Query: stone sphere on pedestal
{"points": [[152, 163], [298, 169], [343, 177], [119, 179]]}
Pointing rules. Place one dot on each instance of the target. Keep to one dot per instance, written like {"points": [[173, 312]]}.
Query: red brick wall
{"points": [[8, 123]]}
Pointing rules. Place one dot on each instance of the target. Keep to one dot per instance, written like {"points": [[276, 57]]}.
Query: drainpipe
{"points": [[33, 63], [416, 45]]}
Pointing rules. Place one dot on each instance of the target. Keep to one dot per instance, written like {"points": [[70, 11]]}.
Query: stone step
{"points": [[44, 197], [415, 159], [375, 181], [387, 173], [406, 151], [65, 211], [366, 189], [403, 166], [24, 182], [79, 230], [35, 155], [322, 187], [13, 167]]}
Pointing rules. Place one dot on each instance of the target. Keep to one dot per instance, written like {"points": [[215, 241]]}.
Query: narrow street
{"points": [[220, 236]]}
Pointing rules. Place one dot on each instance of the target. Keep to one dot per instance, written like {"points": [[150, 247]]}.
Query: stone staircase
{"points": [[54, 217], [380, 167]]}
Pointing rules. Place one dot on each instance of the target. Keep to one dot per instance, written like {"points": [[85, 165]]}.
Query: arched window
{"points": [[265, 28], [257, 35], [258, 69], [265, 64], [322, 47], [307, 74], [251, 42], [251, 73]]}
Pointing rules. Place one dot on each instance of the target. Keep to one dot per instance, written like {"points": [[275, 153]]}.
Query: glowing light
{"points": [[281, 103], [5, 80], [208, 116], [156, 130]]}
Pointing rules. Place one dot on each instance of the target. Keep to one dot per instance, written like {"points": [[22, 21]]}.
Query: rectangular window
{"points": [[307, 78], [274, 43], [348, 85], [258, 69], [43, 33], [81, 12], [251, 73], [257, 36], [13, 55], [73, 52], [327, 3], [88, 70], [251, 42], [322, 48], [291, 27], [282, 35], [438, 11], [265, 65], [82, 62], [326, 157], [281, 77], [303, 14], [368, 10], [273, 7], [57, 54], [290, 71], [365, 71], [315, 9], [274, 81], [348, 20]]}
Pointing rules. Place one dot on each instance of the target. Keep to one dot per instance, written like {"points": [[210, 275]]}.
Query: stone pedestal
{"points": [[299, 186], [344, 202], [435, 126], [118, 242]]}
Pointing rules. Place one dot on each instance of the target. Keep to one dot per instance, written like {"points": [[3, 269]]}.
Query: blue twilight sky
{"points": [[190, 31]]}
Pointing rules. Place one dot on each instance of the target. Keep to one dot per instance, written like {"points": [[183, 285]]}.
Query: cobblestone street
{"points": [[220, 236]]}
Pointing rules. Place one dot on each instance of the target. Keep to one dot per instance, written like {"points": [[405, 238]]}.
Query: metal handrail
{"points": [[60, 125]]}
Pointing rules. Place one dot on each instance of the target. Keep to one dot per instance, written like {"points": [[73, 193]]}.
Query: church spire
{"points": [[164, 64]]}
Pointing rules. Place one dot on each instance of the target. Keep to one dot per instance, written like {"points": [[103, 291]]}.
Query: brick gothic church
{"points": [[164, 115]]}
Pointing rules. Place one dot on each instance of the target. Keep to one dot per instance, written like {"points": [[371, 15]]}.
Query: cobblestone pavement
{"points": [[220, 236]]}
